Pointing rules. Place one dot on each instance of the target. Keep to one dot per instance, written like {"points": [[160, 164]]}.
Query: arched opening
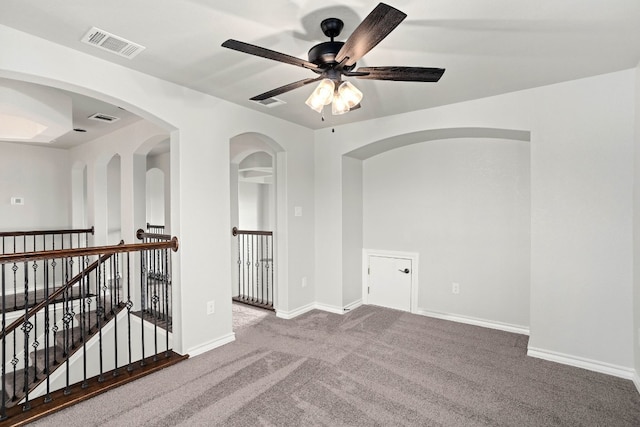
{"points": [[256, 199]]}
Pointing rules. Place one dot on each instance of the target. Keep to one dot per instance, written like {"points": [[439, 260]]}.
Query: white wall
{"points": [[155, 196], [250, 206], [163, 163], [41, 176], [352, 231], [581, 204], [200, 128], [114, 205], [464, 206]]}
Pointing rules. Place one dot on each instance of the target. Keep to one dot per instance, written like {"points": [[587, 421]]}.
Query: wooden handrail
{"points": [[141, 235], [36, 308], [96, 250], [41, 232], [235, 232]]}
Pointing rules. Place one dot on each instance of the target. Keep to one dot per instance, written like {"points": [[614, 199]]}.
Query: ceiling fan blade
{"points": [[371, 31], [401, 74], [285, 88], [268, 53]]}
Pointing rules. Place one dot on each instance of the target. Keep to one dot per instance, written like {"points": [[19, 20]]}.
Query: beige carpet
{"points": [[370, 367]]}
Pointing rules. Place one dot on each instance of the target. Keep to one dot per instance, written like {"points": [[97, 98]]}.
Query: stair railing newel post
{"points": [[114, 301]]}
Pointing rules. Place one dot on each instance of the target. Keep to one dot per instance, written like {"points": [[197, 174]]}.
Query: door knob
{"points": [[405, 271]]}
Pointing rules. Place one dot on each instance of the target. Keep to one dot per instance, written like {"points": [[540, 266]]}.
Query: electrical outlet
{"points": [[455, 288], [211, 307], [304, 282]]}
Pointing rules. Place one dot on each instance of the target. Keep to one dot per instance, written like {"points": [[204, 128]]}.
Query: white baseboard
{"points": [[507, 327], [198, 350], [584, 363], [352, 305], [318, 306], [636, 381], [294, 313], [330, 308]]}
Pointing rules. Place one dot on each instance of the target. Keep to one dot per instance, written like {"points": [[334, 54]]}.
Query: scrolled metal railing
{"points": [[156, 296], [255, 274], [155, 228], [47, 345], [39, 240]]}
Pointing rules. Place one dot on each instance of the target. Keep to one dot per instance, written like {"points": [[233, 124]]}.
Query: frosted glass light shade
{"points": [[339, 105], [321, 96], [350, 94]]}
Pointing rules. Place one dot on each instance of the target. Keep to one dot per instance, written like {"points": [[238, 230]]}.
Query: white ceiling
{"points": [[487, 46]]}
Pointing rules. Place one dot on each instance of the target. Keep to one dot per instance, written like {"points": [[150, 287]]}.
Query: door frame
{"points": [[413, 256]]}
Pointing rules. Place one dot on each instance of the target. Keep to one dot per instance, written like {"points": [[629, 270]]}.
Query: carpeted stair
{"points": [[37, 370]]}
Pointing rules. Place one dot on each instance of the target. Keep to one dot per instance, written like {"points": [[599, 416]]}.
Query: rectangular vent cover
{"points": [[112, 43], [103, 118], [271, 102]]}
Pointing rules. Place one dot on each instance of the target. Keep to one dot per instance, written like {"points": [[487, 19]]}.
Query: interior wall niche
{"points": [[464, 205]]}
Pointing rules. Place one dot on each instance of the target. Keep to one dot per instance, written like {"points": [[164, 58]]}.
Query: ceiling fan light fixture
{"points": [[339, 105], [321, 96], [350, 94]]}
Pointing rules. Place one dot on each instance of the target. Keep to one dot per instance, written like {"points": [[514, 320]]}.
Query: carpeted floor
{"points": [[372, 366]]}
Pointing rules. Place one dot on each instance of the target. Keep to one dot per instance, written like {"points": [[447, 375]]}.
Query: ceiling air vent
{"points": [[271, 102], [114, 44], [103, 118]]}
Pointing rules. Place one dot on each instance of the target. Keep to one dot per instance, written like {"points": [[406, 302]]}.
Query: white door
{"points": [[390, 282]]}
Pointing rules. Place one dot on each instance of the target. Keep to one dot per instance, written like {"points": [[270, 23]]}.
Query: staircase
{"points": [[69, 341], [44, 362]]}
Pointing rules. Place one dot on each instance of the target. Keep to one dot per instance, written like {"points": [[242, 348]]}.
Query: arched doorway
{"points": [[255, 160]]}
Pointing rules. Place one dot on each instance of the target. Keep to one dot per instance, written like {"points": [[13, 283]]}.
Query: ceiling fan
{"points": [[334, 59]]}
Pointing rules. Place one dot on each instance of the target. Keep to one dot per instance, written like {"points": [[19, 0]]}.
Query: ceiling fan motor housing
{"points": [[324, 55]]}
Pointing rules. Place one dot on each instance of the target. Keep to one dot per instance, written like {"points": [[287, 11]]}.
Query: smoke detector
{"points": [[112, 43], [103, 118]]}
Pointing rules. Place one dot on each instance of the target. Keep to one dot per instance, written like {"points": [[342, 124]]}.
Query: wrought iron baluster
{"points": [[254, 243], [143, 276], [167, 278], [67, 319], [3, 407], [100, 313], [115, 315], [239, 262], [129, 305], [35, 343], [26, 329], [83, 325], [47, 361], [262, 261]]}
